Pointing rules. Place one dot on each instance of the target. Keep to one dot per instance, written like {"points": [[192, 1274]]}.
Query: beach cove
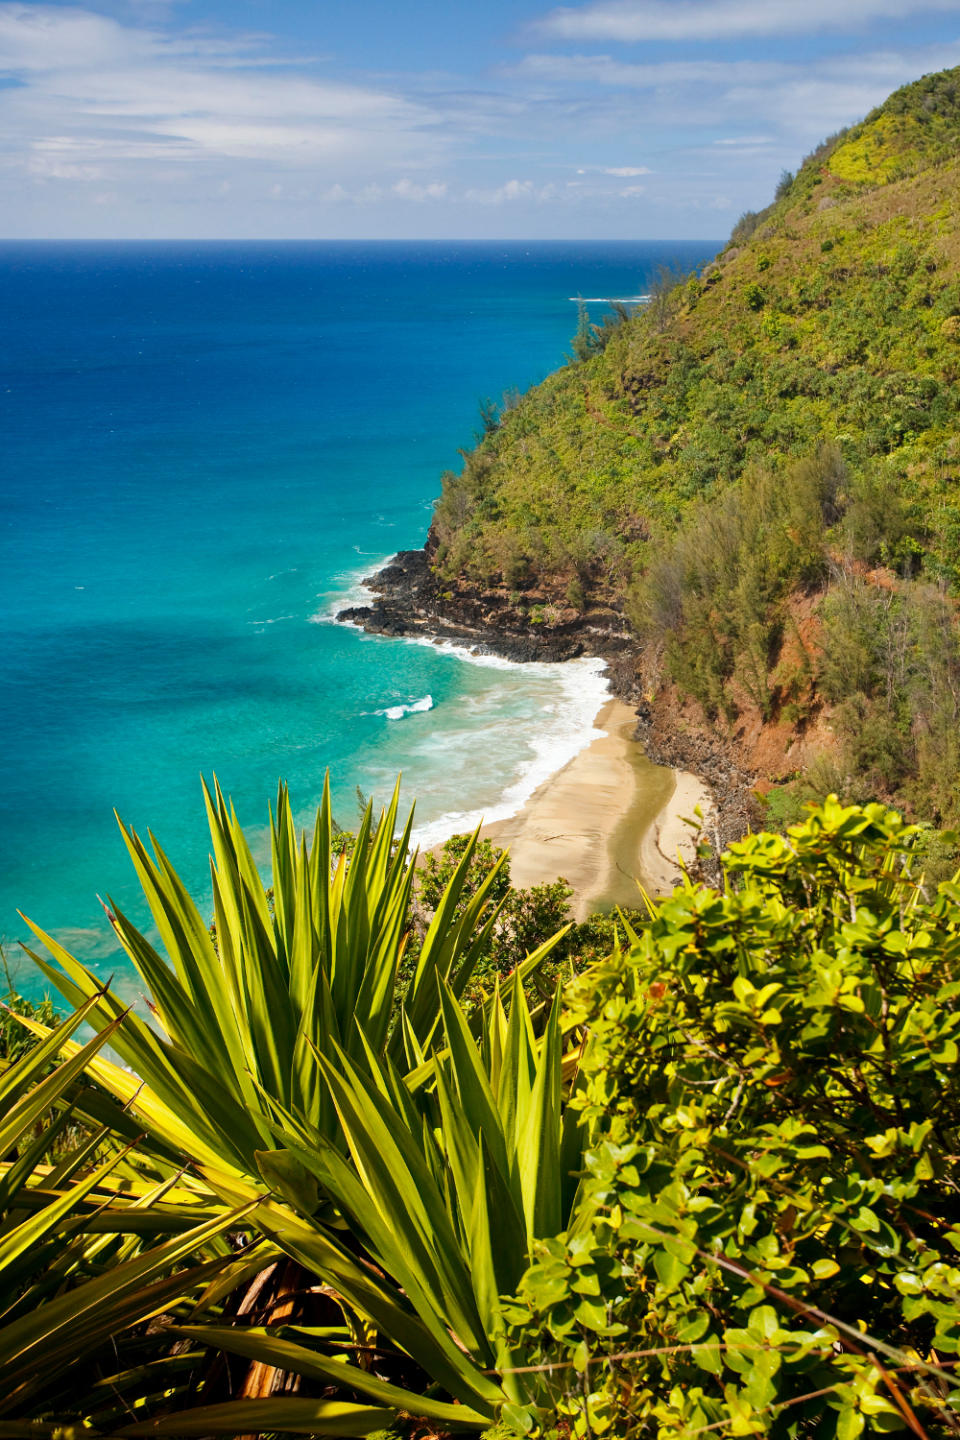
{"points": [[610, 822]]}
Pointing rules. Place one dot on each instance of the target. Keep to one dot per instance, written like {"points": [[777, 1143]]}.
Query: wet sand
{"points": [[608, 820]]}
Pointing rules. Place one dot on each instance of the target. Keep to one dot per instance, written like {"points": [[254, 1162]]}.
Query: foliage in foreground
{"points": [[241, 1021], [714, 1189], [92, 1247], [772, 1074], [291, 1052]]}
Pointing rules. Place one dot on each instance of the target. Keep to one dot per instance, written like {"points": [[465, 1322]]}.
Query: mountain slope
{"points": [[760, 464], [836, 317]]}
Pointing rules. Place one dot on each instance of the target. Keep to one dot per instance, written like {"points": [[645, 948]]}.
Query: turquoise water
{"points": [[204, 447]]}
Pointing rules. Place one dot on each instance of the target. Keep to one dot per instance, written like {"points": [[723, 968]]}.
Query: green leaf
{"points": [[850, 1423], [282, 1413], [271, 1348]]}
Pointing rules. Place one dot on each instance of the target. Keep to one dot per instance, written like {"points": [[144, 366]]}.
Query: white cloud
{"points": [[752, 141], [622, 172], [799, 102], [502, 194], [122, 95], [409, 190], [512, 191], [608, 71], [47, 167], [639, 21], [372, 194]]}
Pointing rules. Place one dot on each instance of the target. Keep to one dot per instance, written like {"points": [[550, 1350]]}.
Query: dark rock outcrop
{"points": [[530, 625]]}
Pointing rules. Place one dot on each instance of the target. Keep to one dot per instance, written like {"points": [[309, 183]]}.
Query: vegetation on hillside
{"points": [[673, 468], [711, 1183]]}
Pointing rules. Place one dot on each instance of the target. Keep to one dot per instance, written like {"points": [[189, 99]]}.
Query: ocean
{"points": [[205, 447]]}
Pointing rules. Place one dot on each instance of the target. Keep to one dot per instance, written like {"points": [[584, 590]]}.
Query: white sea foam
{"points": [[561, 726], [608, 299], [416, 707], [564, 727], [350, 591]]}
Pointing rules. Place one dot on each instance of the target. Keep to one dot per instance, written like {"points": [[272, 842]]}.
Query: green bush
{"points": [[890, 664], [714, 598], [772, 1074]]}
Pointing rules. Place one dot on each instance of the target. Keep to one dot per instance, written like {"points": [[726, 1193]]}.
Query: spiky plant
{"points": [[454, 1172], [81, 1266], [240, 1020], [287, 1052]]}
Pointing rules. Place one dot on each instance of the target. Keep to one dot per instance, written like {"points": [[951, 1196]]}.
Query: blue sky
{"points": [[412, 119]]}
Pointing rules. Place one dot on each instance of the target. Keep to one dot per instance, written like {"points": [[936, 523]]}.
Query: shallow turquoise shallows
{"points": [[204, 446]]}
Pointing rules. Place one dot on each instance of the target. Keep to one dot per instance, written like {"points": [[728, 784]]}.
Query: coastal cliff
{"points": [[746, 496]]}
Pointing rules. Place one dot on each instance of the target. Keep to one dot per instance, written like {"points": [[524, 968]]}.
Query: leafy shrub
{"points": [[772, 1074], [745, 227], [526, 919], [714, 598], [879, 524], [784, 184]]}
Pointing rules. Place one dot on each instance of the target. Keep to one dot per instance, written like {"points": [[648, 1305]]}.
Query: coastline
{"points": [[610, 818], [403, 600]]}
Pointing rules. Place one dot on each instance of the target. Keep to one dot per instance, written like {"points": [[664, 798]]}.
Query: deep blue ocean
{"points": [[203, 448]]}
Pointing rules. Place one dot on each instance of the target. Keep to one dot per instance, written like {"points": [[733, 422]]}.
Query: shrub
{"points": [[714, 598], [745, 227], [784, 184], [772, 1072]]}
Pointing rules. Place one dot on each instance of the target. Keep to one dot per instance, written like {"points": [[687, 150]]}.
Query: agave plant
{"points": [[77, 1266], [242, 1018], [454, 1171], [284, 1056]]}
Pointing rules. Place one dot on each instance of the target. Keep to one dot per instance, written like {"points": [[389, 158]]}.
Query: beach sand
{"points": [[609, 818]]}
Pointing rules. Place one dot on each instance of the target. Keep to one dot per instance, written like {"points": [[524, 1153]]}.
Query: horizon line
{"points": [[350, 240]]}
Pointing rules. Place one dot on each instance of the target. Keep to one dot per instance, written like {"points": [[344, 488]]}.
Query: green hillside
{"points": [[781, 425]]}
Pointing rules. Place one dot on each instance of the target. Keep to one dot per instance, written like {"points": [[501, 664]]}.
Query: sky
{"points": [[415, 119]]}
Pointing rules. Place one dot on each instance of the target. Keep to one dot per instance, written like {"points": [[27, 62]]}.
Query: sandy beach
{"points": [[608, 819]]}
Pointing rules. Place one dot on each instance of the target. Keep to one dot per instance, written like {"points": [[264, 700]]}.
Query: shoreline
{"points": [[610, 820], [607, 819], [578, 690], [406, 602]]}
